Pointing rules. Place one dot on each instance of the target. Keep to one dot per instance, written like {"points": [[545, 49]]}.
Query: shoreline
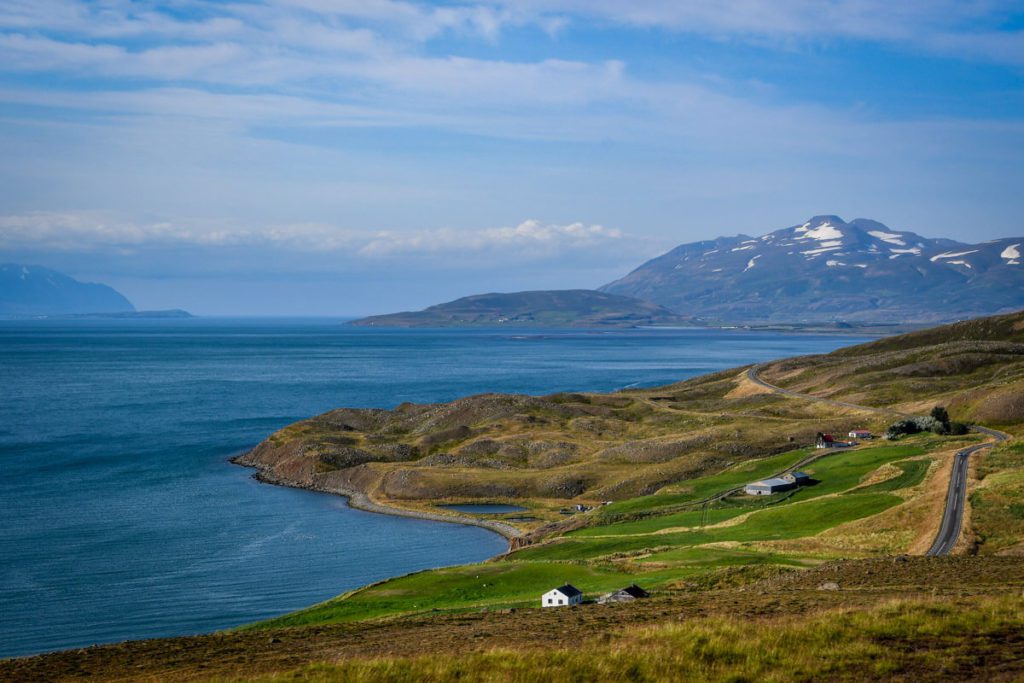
{"points": [[361, 501]]}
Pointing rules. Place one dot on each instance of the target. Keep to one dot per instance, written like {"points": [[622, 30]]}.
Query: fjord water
{"points": [[121, 517]]}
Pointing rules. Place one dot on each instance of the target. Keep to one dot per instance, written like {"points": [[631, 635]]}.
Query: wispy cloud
{"points": [[96, 231], [971, 30]]}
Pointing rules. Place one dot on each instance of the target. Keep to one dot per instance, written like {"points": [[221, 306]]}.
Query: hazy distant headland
{"points": [[37, 292], [558, 308]]}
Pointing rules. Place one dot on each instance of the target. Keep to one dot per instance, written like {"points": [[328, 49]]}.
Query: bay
{"points": [[122, 518]]}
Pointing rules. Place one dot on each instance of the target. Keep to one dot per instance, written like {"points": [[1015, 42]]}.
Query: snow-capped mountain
{"points": [[827, 269]]}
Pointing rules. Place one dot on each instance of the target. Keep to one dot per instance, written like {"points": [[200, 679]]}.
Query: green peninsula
{"points": [[549, 308]]}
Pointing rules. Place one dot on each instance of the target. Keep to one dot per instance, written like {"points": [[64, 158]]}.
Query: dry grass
{"points": [[905, 639], [762, 600]]}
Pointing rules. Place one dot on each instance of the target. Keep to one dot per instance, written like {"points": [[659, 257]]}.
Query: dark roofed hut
{"points": [[627, 594]]}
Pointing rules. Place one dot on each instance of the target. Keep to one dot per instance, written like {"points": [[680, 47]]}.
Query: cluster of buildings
{"points": [[829, 441], [568, 594], [792, 480]]}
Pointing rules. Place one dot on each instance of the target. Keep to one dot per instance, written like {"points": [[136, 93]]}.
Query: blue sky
{"points": [[337, 157]]}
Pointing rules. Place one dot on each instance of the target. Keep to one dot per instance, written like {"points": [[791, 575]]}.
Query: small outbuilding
{"points": [[627, 594], [798, 478], [562, 596], [861, 434]]}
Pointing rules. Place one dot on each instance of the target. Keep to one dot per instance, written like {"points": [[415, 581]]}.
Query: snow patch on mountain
{"points": [[811, 253], [950, 254], [890, 237], [1012, 255], [825, 231], [751, 263]]}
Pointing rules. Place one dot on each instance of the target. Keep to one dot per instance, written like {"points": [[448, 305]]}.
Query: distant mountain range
{"points": [[827, 269], [35, 291], [560, 308], [823, 271]]}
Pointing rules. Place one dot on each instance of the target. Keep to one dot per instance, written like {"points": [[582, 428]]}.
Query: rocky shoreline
{"points": [[361, 501]]}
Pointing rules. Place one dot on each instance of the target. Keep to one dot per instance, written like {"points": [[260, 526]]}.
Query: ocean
{"points": [[122, 517]]}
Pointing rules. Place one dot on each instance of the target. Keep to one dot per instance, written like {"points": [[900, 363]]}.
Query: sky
{"points": [[348, 157]]}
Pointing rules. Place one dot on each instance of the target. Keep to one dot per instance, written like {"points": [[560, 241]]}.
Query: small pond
{"points": [[484, 508]]}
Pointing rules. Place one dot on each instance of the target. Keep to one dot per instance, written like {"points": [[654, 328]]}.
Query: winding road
{"points": [[953, 515]]}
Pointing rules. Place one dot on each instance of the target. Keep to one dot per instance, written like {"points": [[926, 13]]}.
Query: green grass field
{"points": [[704, 487], [491, 584], [912, 474], [777, 523], [653, 550]]}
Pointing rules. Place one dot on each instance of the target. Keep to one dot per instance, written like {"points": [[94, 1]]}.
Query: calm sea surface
{"points": [[121, 517]]}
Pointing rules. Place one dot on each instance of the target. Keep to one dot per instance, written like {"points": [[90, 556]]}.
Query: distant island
{"points": [[553, 308], [41, 293]]}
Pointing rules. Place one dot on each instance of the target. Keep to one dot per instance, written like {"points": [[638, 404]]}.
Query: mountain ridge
{"points": [[37, 291], [826, 270]]}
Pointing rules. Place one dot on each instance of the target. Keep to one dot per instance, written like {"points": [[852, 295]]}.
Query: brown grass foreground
{"points": [[919, 639], [954, 618]]}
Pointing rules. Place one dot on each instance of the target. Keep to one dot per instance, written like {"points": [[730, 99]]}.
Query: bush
{"points": [[942, 415], [915, 425], [958, 428]]}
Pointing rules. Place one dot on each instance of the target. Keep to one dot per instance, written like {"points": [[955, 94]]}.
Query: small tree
{"points": [[942, 415]]}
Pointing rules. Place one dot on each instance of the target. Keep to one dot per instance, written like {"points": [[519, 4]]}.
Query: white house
{"points": [[562, 596]]}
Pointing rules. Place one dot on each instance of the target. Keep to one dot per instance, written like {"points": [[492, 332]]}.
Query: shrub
{"points": [[941, 414], [915, 425]]}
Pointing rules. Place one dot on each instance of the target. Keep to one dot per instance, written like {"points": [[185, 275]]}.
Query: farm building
{"points": [[798, 478], [828, 441], [861, 434], [562, 596], [627, 594], [768, 487]]}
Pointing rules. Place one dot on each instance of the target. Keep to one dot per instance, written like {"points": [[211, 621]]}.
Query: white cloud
{"points": [[530, 236], [96, 231]]}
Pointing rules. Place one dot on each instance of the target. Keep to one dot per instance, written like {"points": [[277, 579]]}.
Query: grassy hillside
{"points": [[923, 619], [669, 460], [937, 640], [976, 368], [660, 547], [552, 451]]}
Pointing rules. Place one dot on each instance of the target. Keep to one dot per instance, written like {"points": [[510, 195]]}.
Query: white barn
{"points": [[562, 596]]}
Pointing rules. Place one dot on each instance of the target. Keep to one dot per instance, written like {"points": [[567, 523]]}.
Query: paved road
{"points": [[953, 515]]}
